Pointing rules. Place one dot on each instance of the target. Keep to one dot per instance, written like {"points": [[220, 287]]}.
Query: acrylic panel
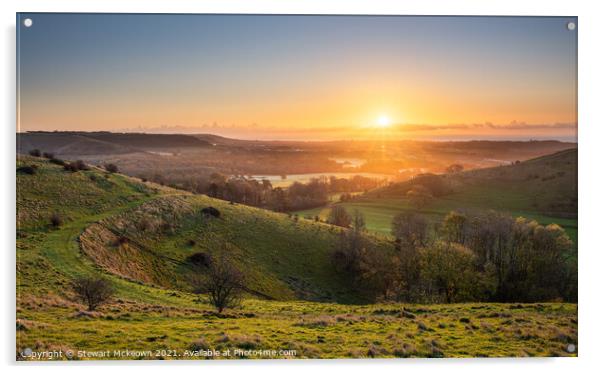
{"points": [[295, 187]]}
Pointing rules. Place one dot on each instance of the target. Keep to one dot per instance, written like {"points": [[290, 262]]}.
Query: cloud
{"points": [[487, 125]]}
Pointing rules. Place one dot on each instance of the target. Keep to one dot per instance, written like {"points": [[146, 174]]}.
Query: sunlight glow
{"points": [[383, 121]]}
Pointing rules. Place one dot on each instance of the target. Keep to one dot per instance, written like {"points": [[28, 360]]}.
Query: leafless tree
{"points": [[222, 281], [410, 229], [338, 216], [93, 291]]}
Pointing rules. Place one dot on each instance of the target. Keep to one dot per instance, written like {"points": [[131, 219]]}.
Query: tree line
{"points": [[470, 256], [261, 193]]}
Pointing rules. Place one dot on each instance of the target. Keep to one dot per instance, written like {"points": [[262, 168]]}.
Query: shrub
{"points": [[56, 220], [200, 259], [76, 166], [81, 165], [31, 170], [93, 291], [35, 152], [111, 168], [211, 211], [57, 161], [121, 240], [48, 155]]}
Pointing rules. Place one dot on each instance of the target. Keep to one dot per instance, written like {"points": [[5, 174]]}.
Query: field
{"points": [[183, 328], [295, 301], [526, 190]]}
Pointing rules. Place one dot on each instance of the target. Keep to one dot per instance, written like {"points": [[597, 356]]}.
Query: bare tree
{"points": [[410, 229], [454, 227], [351, 245], [223, 282], [338, 216], [93, 291]]}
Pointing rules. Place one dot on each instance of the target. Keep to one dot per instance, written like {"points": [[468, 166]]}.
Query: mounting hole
{"points": [[27, 22], [571, 26]]}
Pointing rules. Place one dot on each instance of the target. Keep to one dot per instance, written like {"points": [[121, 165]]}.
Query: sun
{"points": [[383, 121]]}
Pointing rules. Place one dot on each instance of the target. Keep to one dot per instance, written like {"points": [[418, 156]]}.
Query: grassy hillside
{"points": [[293, 263], [283, 258], [154, 315], [103, 143], [544, 189]]}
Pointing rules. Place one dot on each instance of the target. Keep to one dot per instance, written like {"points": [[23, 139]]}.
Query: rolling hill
{"points": [[140, 236], [543, 188], [103, 143], [546, 184], [159, 228]]}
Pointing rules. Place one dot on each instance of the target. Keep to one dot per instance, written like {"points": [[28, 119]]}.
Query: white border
{"points": [[590, 181]]}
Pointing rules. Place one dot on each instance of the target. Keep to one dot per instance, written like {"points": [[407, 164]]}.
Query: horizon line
{"points": [[559, 139]]}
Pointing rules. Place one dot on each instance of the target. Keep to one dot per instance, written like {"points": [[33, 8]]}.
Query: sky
{"points": [[299, 77]]}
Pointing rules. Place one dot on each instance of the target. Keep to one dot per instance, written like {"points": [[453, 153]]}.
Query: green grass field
{"points": [[379, 212], [512, 189], [306, 307]]}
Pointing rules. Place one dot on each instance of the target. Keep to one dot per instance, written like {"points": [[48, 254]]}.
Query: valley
{"points": [[141, 234]]}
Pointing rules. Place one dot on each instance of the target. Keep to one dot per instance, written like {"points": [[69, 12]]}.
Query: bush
{"points": [[76, 166], [35, 152], [56, 220], [48, 155], [111, 168], [211, 211], [93, 291], [31, 170], [121, 240], [200, 259], [81, 165], [70, 167], [57, 161]]}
